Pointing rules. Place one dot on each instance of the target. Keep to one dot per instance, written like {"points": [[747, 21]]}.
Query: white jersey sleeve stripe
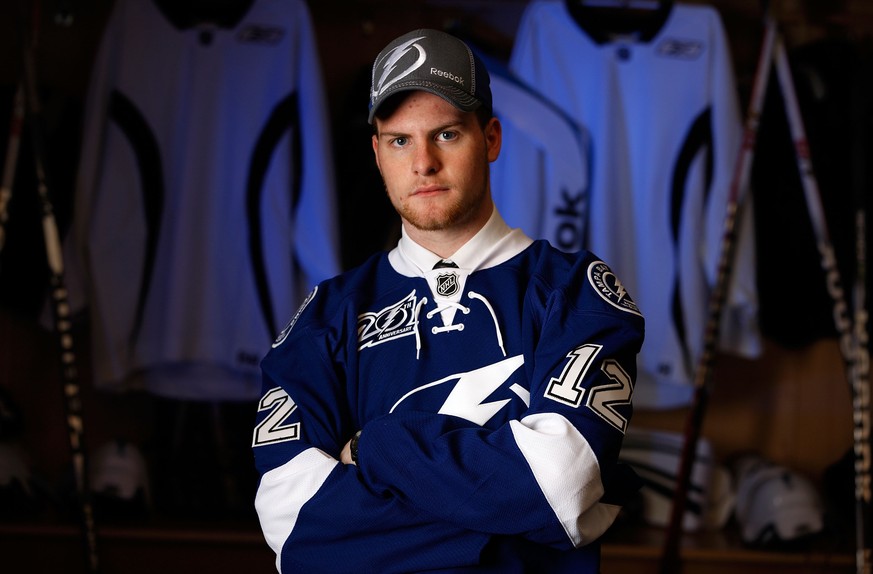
{"points": [[561, 459], [284, 490]]}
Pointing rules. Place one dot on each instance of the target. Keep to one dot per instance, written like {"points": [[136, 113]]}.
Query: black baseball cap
{"points": [[432, 61]]}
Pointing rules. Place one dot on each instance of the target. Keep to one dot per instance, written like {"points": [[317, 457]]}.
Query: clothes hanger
{"points": [[189, 13], [623, 4], [604, 20]]}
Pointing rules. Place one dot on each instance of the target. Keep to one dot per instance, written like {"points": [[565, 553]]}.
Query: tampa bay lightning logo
{"points": [[389, 65], [610, 288], [475, 395], [392, 322], [284, 334]]}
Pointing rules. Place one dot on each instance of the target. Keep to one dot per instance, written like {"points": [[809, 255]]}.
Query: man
{"points": [[457, 404]]}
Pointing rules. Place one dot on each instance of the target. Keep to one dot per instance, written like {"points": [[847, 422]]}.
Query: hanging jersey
{"points": [[543, 149], [511, 373], [205, 207], [662, 113]]}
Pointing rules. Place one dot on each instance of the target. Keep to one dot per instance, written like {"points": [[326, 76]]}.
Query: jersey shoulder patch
{"points": [[610, 289], [284, 334]]}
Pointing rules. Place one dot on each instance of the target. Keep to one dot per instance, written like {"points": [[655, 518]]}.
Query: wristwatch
{"points": [[353, 446]]}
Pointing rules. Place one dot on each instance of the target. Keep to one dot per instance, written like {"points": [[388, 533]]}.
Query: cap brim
{"points": [[458, 98]]}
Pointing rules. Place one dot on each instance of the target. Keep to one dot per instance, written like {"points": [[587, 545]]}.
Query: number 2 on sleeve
{"points": [[602, 399]]}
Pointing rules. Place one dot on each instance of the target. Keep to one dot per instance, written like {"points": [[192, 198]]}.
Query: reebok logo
{"points": [[261, 34], [568, 235], [680, 49], [447, 75]]}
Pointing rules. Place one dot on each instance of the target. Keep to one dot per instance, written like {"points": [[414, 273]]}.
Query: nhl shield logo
{"points": [[447, 284]]}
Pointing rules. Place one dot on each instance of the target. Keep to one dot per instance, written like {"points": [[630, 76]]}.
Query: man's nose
{"points": [[426, 159]]}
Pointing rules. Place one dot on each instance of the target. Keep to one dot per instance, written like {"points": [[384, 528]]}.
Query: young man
{"points": [[458, 404]]}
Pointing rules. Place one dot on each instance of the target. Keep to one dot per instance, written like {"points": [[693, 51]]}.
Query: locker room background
{"points": [[792, 403]]}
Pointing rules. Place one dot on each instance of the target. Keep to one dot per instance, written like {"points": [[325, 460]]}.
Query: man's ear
{"points": [[375, 140], [493, 138]]}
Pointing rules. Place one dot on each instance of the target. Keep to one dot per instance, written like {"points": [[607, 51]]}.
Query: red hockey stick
{"points": [[670, 559]]}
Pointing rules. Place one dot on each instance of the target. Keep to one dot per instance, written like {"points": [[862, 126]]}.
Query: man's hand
{"points": [[346, 454]]}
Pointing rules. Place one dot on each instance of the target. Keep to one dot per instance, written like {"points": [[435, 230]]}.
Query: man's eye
{"points": [[447, 136], [400, 142]]}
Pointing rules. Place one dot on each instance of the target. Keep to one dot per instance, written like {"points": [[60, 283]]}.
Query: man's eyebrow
{"points": [[436, 130], [392, 134], [444, 127]]}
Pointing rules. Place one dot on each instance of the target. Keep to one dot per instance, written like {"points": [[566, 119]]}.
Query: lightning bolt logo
{"points": [[610, 288], [472, 388], [391, 59]]}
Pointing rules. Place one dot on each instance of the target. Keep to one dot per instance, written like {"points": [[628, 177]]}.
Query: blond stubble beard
{"points": [[444, 217]]}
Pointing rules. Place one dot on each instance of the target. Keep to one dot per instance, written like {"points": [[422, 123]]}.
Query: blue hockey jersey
{"points": [[492, 398]]}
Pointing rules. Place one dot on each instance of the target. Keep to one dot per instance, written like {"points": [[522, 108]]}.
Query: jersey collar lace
{"points": [[495, 243]]}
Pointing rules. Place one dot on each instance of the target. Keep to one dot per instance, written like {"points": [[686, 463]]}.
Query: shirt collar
{"points": [[495, 243]]}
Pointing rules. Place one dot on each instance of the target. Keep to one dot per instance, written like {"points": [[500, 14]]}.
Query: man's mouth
{"points": [[429, 189]]}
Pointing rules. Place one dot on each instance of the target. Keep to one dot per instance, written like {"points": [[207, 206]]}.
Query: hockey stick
{"points": [[863, 123], [60, 306], [13, 143], [861, 399], [853, 342], [670, 558]]}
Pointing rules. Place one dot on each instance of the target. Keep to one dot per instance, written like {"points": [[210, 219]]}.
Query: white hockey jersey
{"points": [[540, 180], [205, 207], [665, 130]]}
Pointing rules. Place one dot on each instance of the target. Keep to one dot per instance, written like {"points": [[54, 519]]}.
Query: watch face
{"points": [[353, 446]]}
